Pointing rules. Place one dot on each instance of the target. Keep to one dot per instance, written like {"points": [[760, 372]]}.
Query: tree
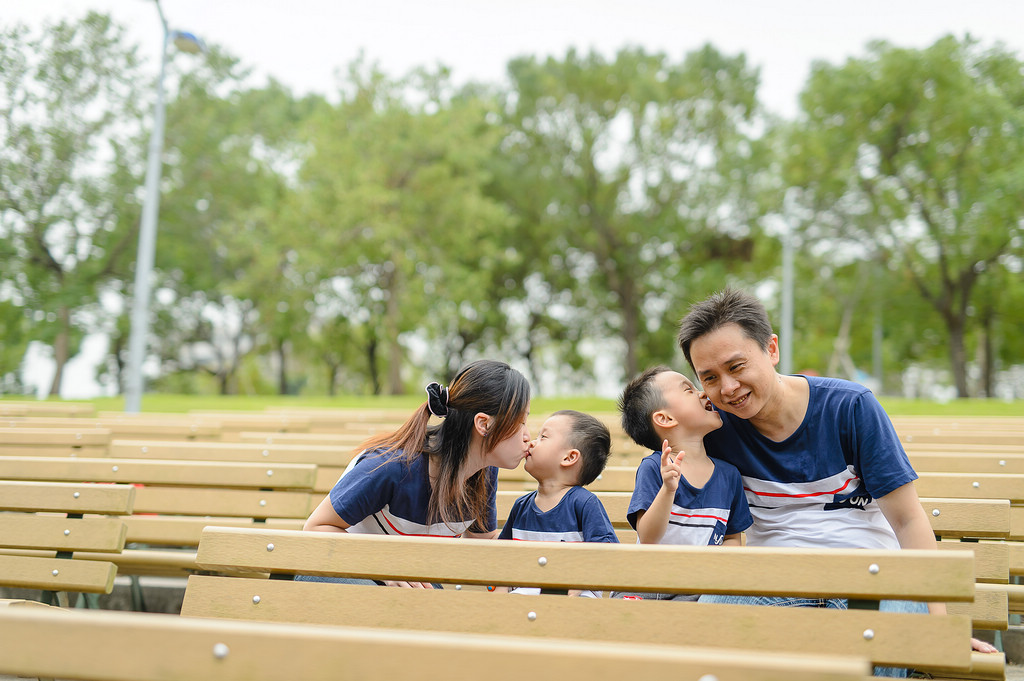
{"points": [[68, 115], [630, 180], [920, 154], [395, 212]]}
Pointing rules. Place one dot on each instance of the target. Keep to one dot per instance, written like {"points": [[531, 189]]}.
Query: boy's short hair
{"points": [[638, 402], [725, 307], [592, 439]]}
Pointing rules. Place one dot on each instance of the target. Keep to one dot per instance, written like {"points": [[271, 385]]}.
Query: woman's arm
{"points": [[325, 519]]}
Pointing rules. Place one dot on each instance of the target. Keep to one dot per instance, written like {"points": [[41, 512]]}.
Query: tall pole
{"points": [[147, 241], [786, 360]]}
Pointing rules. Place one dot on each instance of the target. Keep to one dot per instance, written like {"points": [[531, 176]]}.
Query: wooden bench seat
{"points": [[920, 641], [152, 647]]}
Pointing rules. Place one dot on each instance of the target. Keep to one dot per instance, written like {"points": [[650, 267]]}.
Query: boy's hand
{"points": [[671, 468]]}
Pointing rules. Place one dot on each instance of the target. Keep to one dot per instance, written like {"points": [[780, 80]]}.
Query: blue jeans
{"points": [[838, 603]]}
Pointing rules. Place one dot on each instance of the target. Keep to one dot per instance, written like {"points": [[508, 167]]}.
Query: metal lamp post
{"points": [[185, 42]]}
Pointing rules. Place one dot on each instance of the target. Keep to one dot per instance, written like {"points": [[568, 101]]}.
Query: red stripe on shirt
{"points": [[695, 515], [412, 534], [797, 496]]}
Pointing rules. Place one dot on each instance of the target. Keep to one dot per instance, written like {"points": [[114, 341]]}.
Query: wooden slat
{"points": [[968, 517], [223, 502], [187, 530], [938, 641], [57, 574], [206, 473], [231, 451], [972, 486], [72, 437], [991, 559], [981, 437], [989, 609], [958, 462], [109, 499], [1016, 523], [273, 438], [1015, 553], [19, 530], [151, 647], [797, 572]]}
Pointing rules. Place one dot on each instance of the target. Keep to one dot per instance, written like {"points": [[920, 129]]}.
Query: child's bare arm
{"points": [[733, 539], [651, 525]]}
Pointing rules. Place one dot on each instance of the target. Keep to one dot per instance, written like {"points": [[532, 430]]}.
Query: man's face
{"points": [[737, 374]]}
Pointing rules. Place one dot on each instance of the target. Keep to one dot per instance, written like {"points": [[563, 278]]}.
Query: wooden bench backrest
{"points": [[161, 472], [333, 455], [975, 462], [612, 620], [148, 647], [66, 497], [794, 572], [860, 574], [28, 526]]}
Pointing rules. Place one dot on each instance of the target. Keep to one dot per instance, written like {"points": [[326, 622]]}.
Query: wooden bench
{"points": [[150, 647], [329, 459], [127, 426], [43, 530], [45, 408], [939, 644], [174, 500], [45, 441]]}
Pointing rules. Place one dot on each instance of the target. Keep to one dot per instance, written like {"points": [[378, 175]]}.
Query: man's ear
{"points": [[482, 423], [571, 457]]}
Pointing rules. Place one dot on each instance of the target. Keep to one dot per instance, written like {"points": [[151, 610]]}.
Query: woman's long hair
{"points": [[484, 386]]}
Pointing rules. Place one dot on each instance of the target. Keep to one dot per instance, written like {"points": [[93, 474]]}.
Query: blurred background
{"points": [[354, 200]]}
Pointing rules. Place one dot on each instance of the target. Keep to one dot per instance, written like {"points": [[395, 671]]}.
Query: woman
{"points": [[438, 480]]}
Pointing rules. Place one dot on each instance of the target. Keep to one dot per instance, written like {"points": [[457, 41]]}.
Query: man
{"points": [[820, 459]]}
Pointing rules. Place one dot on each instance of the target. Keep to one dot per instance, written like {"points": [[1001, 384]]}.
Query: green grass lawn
{"points": [[542, 405]]}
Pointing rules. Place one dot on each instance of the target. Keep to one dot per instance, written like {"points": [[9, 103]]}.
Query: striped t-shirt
{"points": [[391, 496], [819, 486]]}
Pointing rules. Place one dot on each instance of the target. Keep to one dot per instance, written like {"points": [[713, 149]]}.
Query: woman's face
{"points": [[510, 452]]}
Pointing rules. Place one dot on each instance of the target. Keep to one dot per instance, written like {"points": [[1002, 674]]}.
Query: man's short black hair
{"points": [[729, 306]]}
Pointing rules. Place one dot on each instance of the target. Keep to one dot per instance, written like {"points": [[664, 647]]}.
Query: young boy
{"points": [[570, 451], [684, 498]]}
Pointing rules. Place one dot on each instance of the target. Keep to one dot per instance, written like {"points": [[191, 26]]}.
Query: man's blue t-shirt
{"points": [[817, 488], [391, 496], [699, 516]]}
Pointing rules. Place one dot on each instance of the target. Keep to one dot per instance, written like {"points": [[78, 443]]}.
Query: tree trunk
{"points": [[282, 369], [630, 309], [60, 349], [371, 360], [391, 327], [958, 357], [988, 361], [332, 380]]}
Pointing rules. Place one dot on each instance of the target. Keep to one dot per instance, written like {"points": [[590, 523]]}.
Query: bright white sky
{"points": [[303, 42]]}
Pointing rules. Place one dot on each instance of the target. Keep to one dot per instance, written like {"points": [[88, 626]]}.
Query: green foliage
{"points": [[916, 158], [366, 242], [625, 178], [68, 109]]}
